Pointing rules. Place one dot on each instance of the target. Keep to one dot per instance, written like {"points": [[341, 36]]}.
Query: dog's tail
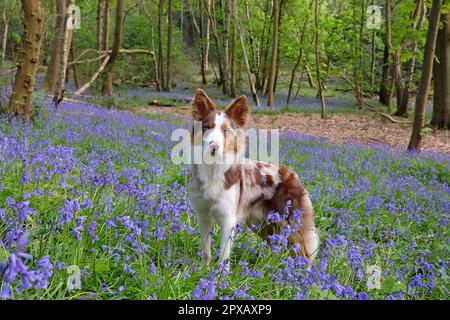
{"points": [[309, 234]]}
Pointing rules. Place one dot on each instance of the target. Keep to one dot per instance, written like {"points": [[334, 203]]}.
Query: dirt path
{"points": [[340, 128]]}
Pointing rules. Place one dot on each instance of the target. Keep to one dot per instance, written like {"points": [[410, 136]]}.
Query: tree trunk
{"points": [[100, 25], [74, 66], [427, 69], [169, 46], [397, 77], [155, 61], [244, 53], [441, 75], [206, 46], [64, 58], [233, 60], [5, 34], [201, 31], [212, 20], [108, 85], [384, 85], [273, 60], [58, 44], [160, 42], [317, 54], [419, 17], [20, 104], [299, 59], [226, 50], [372, 56], [107, 21], [263, 51]]}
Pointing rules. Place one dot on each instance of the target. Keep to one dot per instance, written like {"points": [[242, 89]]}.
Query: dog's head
{"points": [[222, 132]]}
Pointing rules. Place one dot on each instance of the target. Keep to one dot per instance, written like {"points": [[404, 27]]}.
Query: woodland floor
{"points": [[338, 128]]}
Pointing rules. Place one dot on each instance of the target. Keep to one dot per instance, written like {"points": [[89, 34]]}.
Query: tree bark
{"points": [[169, 46], [273, 60], [64, 58], [226, 49], [384, 85], [441, 76], [317, 54], [107, 23], [427, 69], [244, 53], [74, 66], [108, 86], [5, 34], [160, 43], [201, 31], [100, 25], [299, 59], [58, 43], [233, 58], [20, 104]]}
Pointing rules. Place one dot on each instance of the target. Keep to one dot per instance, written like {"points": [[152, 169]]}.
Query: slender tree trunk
{"points": [[420, 14], [317, 53], [299, 59], [244, 53], [206, 46], [160, 42], [273, 60], [360, 81], [441, 75], [372, 56], [64, 58], [74, 66], [169, 46], [226, 49], [384, 85], [108, 85], [427, 70], [5, 34], [20, 104], [155, 61], [403, 109], [261, 64], [210, 8], [107, 23], [397, 74], [201, 31], [57, 49], [233, 60], [100, 26]]}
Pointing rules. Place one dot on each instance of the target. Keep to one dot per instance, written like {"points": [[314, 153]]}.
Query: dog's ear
{"points": [[238, 111], [202, 105]]}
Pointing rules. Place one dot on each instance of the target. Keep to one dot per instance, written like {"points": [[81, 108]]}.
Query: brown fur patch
{"points": [[232, 176]]}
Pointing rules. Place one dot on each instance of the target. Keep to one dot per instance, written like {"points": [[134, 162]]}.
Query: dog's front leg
{"points": [[206, 223], [227, 225]]}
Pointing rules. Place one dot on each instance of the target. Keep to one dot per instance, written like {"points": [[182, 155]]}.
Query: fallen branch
{"points": [[77, 60], [93, 78], [385, 115], [353, 86], [87, 60]]}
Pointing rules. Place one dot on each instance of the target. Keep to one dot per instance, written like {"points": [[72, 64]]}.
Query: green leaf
{"points": [[101, 267]]}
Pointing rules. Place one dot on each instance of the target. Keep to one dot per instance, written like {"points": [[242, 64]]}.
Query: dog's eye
{"points": [[205, 127], [227, 131]]}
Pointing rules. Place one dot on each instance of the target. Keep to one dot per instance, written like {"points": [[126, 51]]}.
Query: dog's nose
{"points": [[214, 146]]}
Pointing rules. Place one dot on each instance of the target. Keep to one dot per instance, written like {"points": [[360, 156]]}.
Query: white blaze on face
{"points": [[214, 139]]}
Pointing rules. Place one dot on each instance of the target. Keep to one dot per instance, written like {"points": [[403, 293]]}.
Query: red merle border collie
{"points": [[228, 193]]}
